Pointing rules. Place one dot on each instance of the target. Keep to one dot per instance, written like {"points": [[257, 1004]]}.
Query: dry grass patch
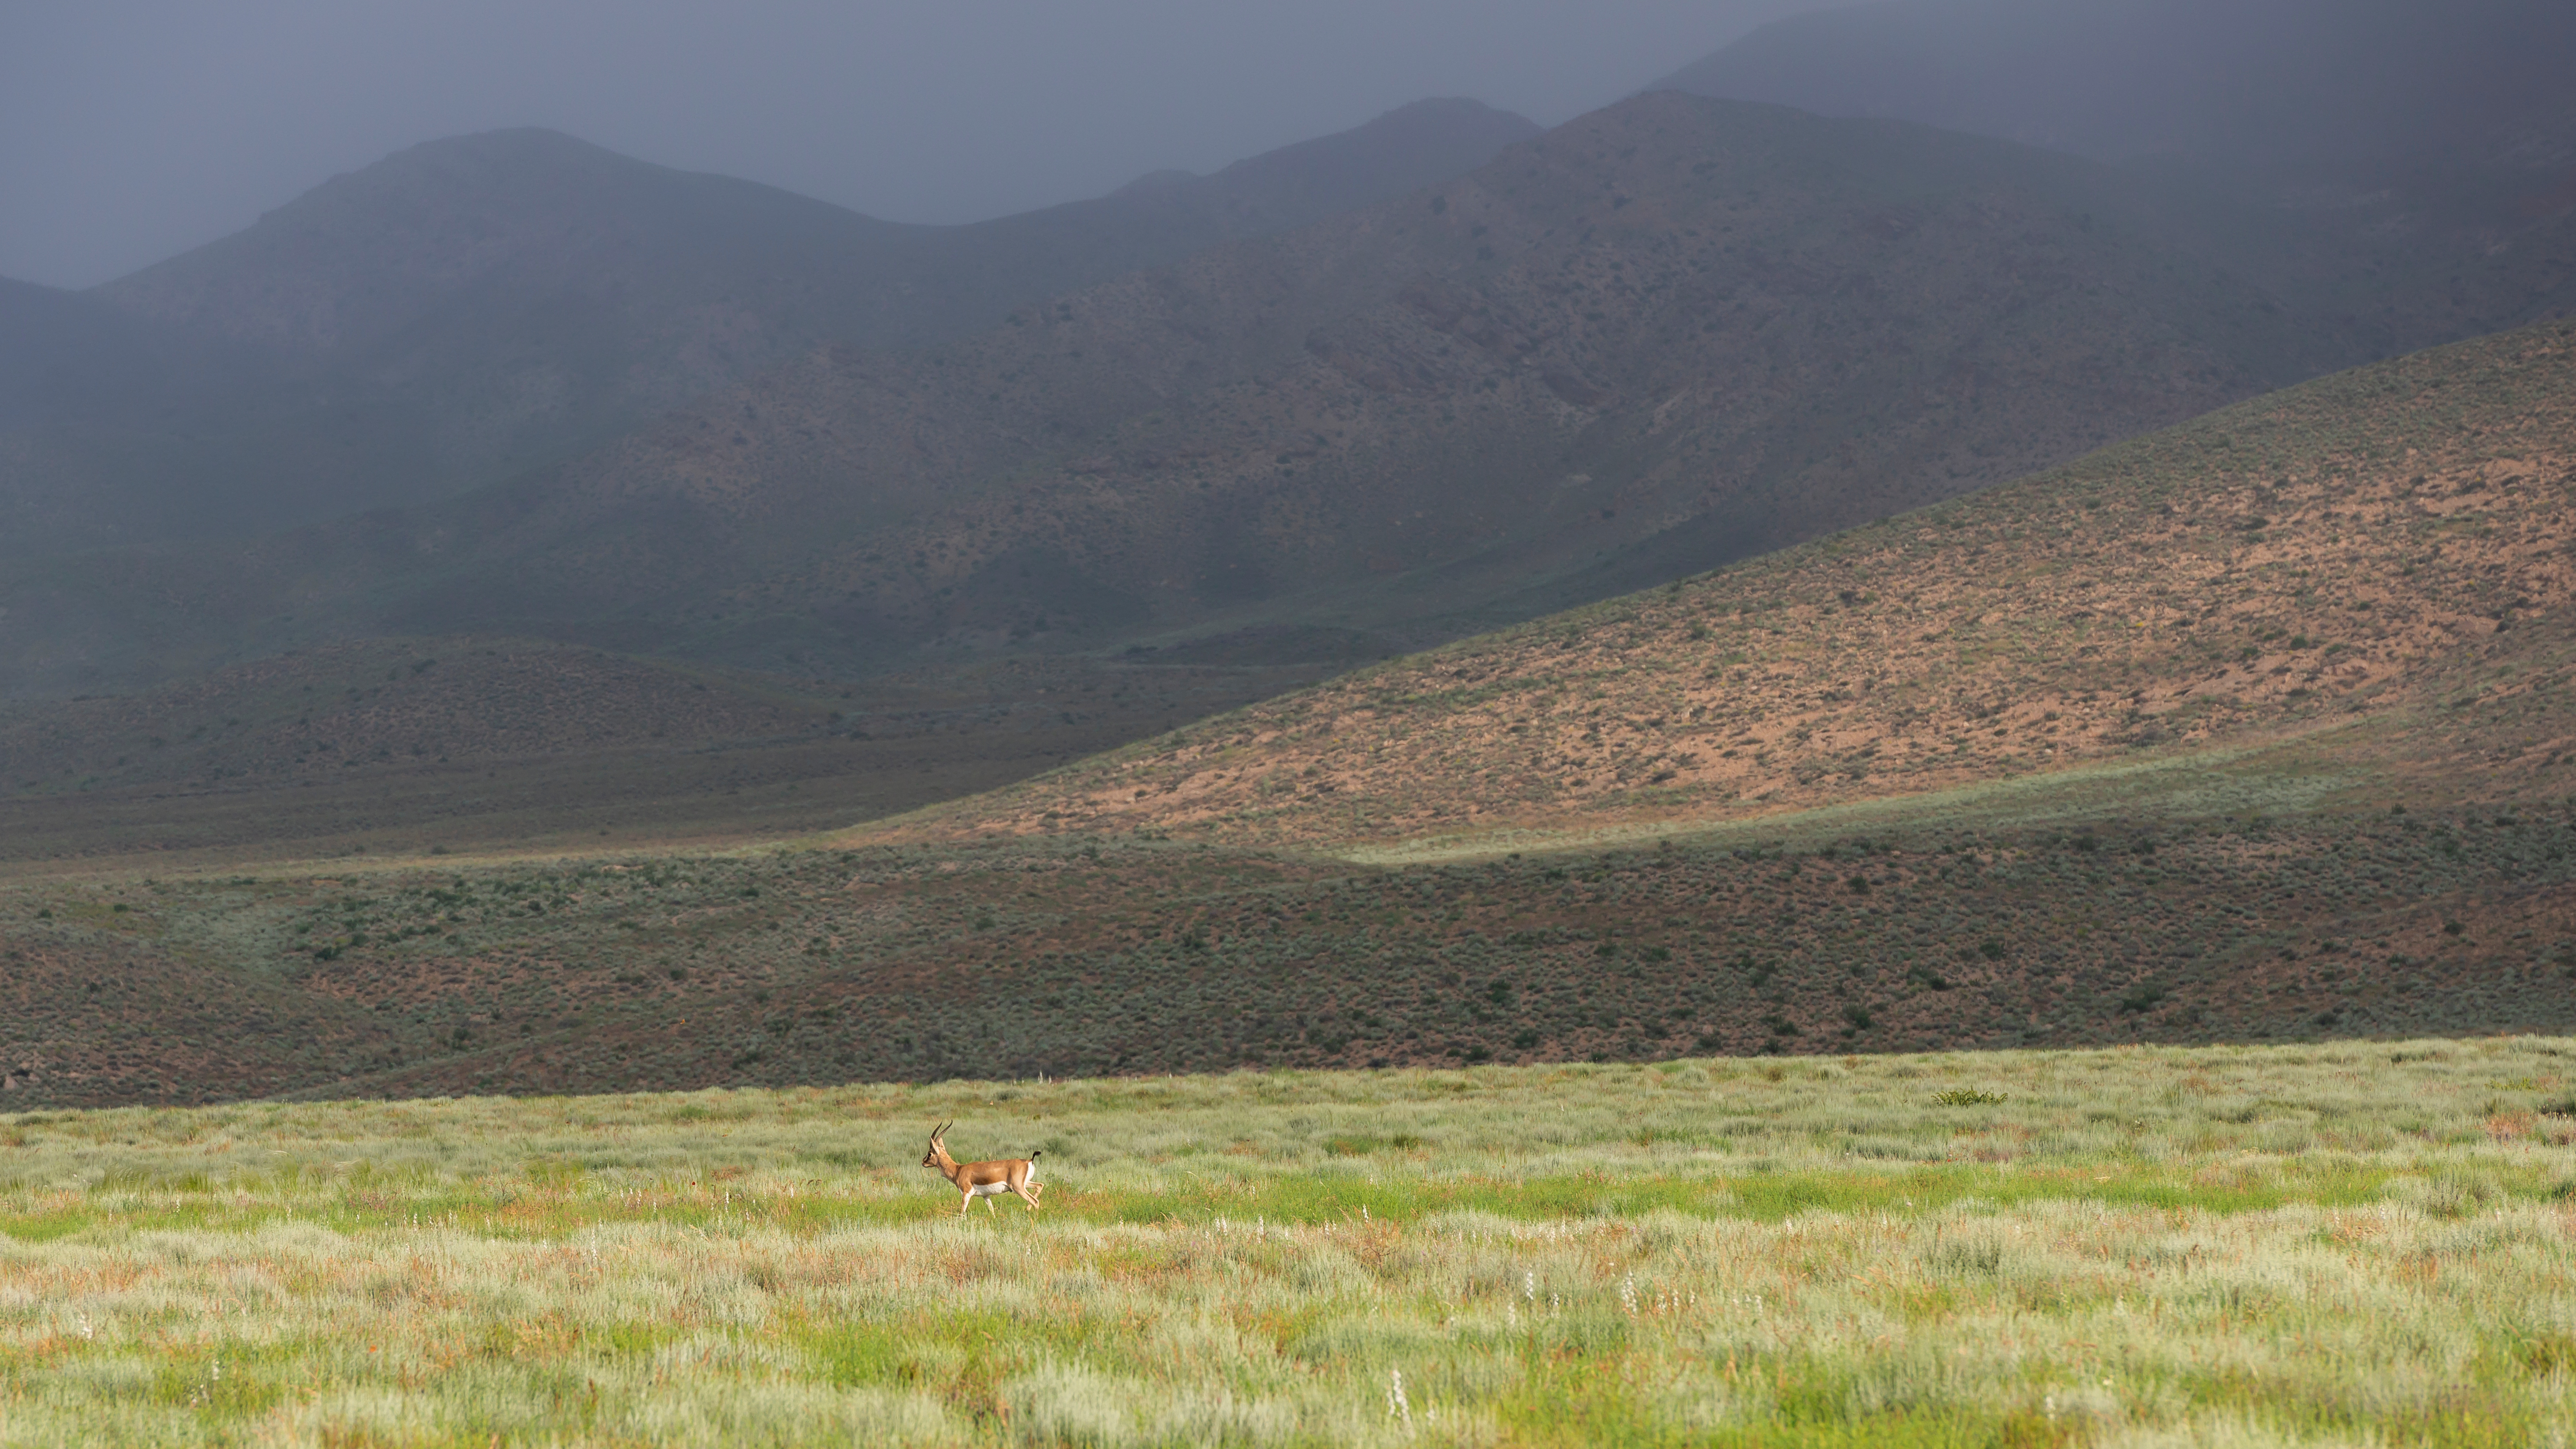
{"points": [[1713, 1252]]}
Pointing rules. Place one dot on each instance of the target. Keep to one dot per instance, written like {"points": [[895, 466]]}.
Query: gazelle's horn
{"points": [[935, 1132]]}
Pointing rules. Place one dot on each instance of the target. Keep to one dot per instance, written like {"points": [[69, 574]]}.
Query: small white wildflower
{"points": [[1397, 1406]]}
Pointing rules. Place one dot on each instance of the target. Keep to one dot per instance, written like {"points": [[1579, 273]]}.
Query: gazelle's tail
{"points": [[1034, 1156]]}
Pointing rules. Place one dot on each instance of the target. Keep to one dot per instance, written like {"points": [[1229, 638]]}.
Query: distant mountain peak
{"points": [[470, 307]]}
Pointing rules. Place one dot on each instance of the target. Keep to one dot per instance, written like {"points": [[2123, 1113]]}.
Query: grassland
{"points": [[2346, 1244]]}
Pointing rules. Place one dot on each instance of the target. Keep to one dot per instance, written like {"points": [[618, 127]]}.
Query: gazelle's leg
{"points": [[964, 1206]]}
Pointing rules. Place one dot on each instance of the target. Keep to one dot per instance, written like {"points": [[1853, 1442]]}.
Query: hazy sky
{"points": [[133, 129]]}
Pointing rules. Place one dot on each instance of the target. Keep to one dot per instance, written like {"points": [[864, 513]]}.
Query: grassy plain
{"points": [[2337, 1244]]}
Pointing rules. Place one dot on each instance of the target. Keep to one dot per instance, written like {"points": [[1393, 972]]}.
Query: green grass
{"points": [[2350, 1243]]}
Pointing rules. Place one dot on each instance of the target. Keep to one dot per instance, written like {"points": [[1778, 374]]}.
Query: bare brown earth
{"points": [[2357, 555]]}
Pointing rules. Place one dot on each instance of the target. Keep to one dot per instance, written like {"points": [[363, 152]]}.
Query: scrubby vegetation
{"points": [[2131, 1247], [2373, 565], [1073, 956]]}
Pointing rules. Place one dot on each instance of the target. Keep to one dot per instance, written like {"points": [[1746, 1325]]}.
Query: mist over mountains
{"points": [[2254, 83], [472, 307], [1673, 332], [2406, 171], [1437, 374]]}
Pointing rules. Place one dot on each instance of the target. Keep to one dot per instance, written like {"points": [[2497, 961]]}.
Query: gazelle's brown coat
{"points": [[984, 1179]]}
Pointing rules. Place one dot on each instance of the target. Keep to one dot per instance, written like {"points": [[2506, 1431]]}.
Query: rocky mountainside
{"points": [[2364, 580], [476, 306], [1671, 333]]}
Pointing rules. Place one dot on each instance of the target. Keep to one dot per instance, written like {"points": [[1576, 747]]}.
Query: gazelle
{"points": [[984, 1179]]}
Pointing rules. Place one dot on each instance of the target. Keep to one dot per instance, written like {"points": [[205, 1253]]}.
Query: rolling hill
{"points": [[476, 306], [2250, 729], [2364, 567]]}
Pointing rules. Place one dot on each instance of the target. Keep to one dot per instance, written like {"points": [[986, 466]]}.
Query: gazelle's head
{"points": [[938, 1157]]}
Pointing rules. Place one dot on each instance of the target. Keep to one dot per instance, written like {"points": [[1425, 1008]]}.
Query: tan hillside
{"points": [[2342, 557]]}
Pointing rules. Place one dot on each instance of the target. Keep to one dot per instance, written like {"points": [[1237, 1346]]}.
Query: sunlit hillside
{"points": [[2366, 576]]}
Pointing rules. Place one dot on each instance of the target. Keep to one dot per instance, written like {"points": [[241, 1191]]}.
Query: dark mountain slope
{"points": [[481, 743], [2406, 170], [473, 307], [2256, 81], [88, 392], [1674, 332], [60, 353]]}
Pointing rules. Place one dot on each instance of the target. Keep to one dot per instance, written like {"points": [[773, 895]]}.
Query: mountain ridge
{"points": [[1429, 408], [473, 308], [2405, 172]]}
